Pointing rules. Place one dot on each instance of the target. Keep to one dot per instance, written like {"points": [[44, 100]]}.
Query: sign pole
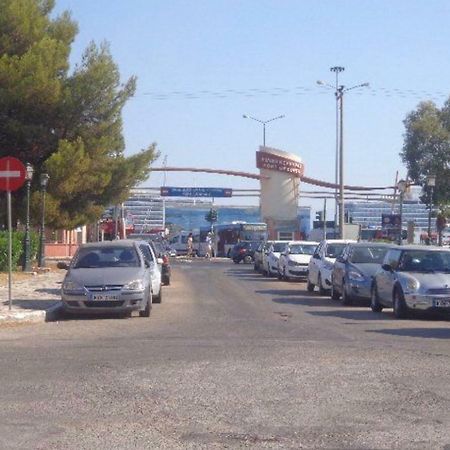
{"points": [[8, 196]]}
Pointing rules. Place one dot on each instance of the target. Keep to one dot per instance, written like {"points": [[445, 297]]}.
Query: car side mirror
{"points": [[387, 267], [62, 265]]}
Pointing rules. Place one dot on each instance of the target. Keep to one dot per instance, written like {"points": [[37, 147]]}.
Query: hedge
{"points": [[17, 248]]}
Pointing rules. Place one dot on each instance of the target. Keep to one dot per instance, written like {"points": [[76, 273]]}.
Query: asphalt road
{"points": [[228, 360]]}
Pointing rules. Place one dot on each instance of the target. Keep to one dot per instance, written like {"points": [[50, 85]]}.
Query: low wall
{"points": [[60, 250]]}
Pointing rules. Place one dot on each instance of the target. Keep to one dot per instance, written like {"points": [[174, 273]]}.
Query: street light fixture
{"points": [[339, 93], [402, 185], [431, 183], [43, 181], [245, 116], [26, 266]]}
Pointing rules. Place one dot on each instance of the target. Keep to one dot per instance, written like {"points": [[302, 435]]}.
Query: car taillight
{"points": [[242, 250]]}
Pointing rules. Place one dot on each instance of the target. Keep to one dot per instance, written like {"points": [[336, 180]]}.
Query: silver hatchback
{"points": [[110, 276], [413, 278]]}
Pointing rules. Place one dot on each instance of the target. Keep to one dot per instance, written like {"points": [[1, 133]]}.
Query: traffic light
{"points": [[319, 216]]}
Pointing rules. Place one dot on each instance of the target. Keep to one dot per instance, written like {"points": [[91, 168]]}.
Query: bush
{"points": [[17, 248]]}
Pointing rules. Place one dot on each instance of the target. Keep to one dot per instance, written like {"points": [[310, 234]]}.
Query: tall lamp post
{"points": [[339, 93], [401, 186], [245, 116], [26, 266], [44, 181], [431, 183]]}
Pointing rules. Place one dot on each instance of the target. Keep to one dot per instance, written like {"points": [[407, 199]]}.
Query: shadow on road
{"points": [[52, 291], [37, 305], [305, 301], [430, 333], [352, 314], [297, 293]]}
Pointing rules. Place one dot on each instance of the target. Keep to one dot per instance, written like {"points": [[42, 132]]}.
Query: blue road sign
{"points": [[169, 191]]}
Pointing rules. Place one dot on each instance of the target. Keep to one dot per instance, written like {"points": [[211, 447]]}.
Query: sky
{"points": [[202, 64]]}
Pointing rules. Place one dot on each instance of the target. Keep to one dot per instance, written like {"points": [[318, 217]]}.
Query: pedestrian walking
{"points": [[190, 246], [208, 240]]}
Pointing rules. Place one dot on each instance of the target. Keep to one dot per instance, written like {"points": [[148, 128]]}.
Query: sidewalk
{"points": [[34, 296]]}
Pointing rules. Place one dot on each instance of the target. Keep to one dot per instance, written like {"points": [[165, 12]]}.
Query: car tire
{"points": [[248, 259], [148, 308], [236, 261], [309, 286], [346, 298], [158, 299], [279, 275], [334, 294], [375, 304], [400, 308], [285, 277], [322, 290]]}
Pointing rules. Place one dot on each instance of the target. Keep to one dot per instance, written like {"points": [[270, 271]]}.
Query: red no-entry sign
{"points": [[12, 174]]}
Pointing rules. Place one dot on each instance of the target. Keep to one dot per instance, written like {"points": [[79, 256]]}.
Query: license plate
{"points": [[99, 297], [442, 303]]}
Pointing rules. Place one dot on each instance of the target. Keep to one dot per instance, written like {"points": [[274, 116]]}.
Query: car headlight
{"points": [[135, 285], [70, 286], [411, 285], [355, 276]]}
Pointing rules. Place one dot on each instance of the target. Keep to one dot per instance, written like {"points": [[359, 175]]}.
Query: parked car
{"points": [[244, 251], [294, 260], [162, 252], [353, 271], [151, 256], [110, 276], [413, 278], [321, 264], [258, 256], [270, 268]]}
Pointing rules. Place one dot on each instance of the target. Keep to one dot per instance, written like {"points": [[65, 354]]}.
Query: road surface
{"points": [[230, 359]]}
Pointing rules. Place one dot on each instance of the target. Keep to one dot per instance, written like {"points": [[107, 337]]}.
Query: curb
{"points": [[28, 316]]}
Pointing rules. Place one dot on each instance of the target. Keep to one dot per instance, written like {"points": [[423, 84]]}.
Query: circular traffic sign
{"points": [[12, 174]]}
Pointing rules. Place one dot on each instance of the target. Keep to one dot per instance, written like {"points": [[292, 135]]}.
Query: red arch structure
{"points": [[255, 176]]}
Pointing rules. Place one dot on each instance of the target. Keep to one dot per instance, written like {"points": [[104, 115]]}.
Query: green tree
{"points": [[211, 216], [68, 124], [426, 148]]}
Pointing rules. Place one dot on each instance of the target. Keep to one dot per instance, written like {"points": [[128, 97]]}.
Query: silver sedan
{"points": [[110, 276]]}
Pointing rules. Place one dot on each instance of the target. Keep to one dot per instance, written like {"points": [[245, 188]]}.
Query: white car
{"points": [[293, 262], [321, 264], [270, 261], [155, 269]]}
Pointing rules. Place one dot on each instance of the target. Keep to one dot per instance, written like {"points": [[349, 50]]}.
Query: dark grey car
{"points": [[351, 278], [110, 276]]}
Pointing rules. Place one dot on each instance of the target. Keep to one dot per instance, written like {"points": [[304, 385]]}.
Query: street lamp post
{"points": [[44, 181], [245, 116], [339, 93], [401, 186], [431, 183], [26, 266]]}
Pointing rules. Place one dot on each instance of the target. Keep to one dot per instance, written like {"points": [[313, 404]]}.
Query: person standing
{"points": [[190, 245], [208, 241]]}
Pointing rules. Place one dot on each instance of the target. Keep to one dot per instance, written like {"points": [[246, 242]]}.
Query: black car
{"points": [[244, 251], [161, 251]]}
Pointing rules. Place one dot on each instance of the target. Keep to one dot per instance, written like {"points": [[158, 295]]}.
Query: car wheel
{"points": [[248, 259], [334, 293], [285, 277], [322, 290], [375, 304], [236, 261], [279, 275], [309, 286], [346, 299], [400, 308], [148, 308], [158, 299]]}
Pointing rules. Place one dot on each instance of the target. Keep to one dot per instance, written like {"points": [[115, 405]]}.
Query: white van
{"points": [[178, 242]]}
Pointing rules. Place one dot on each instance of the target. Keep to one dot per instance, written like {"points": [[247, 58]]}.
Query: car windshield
{"points": [[278, 247], [334, 250], [99, 257], [367, 255], [298, 249], [425, 261]]}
